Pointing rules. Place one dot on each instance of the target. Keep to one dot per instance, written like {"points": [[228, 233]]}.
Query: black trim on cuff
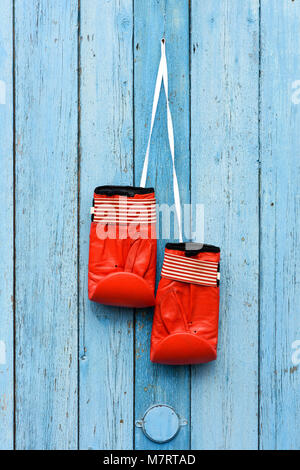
{"points": [[218, 280], [92, 215], [128, 191], [181, 247]]}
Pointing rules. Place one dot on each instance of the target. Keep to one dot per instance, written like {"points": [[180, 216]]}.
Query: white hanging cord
{"points": [[162, 75], [154, 109]]}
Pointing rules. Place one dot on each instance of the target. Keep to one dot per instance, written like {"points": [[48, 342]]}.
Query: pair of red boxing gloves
{"points": [[122, 264]]}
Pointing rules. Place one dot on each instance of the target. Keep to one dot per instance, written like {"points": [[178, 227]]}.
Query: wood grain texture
{"points": [[224, 176], [280, 230], [46, 224], [6, 227], [106, 333], [153, 20]]}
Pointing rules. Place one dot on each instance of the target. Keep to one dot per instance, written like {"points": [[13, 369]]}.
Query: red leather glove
{"points": [[122, 260], [185, 324]]}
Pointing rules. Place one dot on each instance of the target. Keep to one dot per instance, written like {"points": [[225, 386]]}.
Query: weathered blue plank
{"points": [[224, 176], [153, 20], [6, 226], [46, 224], [280, 230], [106, 333]]}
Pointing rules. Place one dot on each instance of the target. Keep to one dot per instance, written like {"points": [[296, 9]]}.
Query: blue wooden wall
{"points": [[76, 85]]}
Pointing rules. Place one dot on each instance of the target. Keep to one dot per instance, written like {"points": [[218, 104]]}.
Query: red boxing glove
{"points": [[122, 260], [185, 324]]}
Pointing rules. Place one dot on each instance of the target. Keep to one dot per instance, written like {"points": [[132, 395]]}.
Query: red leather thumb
{"points": [[138, 258], [172, 314]]}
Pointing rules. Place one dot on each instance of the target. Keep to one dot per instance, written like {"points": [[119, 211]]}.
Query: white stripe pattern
{"points": [[194, 271], [124, 210]]}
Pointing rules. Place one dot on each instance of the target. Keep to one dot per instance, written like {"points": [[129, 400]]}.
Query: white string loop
{"points": [[162, 76]]}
